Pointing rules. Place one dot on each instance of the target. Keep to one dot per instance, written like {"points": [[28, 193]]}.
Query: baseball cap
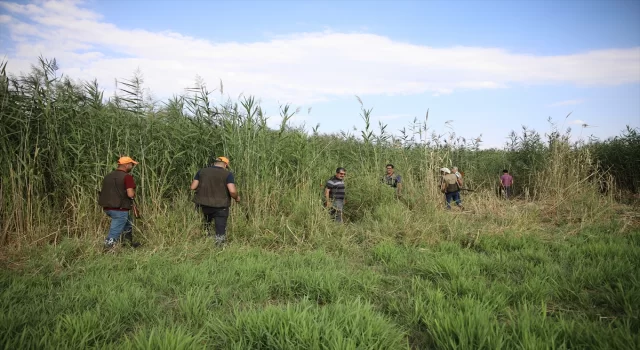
{"points": [[223, 159], [126, 160], [446, 170]]}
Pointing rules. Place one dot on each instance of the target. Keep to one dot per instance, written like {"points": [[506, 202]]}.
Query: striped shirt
{"points": [[336, 188]]}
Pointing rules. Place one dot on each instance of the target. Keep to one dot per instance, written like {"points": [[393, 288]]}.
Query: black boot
{"points": [[127, 238]]}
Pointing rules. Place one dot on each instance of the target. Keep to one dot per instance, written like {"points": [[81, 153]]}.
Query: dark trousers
{"points": [[507, 192], [219, 217]]}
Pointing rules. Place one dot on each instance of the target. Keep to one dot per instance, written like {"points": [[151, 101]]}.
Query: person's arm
{"points": [[233, 192], [326, 196], [231, 187], [130, 185], [196, 181]]}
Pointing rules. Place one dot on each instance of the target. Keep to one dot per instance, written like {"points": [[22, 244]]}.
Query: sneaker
{"points": [[109, 243]]}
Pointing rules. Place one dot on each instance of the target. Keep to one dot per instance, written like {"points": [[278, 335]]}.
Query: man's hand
{"points": [[237, 199], [136, 212]]}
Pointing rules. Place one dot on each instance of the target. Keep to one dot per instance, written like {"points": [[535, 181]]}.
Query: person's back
{"points": [[451, 183], [113, 194], [215, 186], [450, 186], [506, 179], [212, 188]]}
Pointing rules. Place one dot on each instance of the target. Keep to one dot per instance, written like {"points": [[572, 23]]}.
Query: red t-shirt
{"points": [[506, 180], [128, 183]]}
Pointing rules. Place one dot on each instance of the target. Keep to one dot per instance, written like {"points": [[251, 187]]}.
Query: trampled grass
{"points": [[497, 292]]}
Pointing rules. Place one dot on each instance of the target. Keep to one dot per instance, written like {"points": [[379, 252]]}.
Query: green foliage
{"points": [[620, 157]]}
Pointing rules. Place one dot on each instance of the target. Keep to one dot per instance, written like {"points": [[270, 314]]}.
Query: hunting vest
{"points": [[212, 188], [391, 180], [113, 193], [451, 181]]}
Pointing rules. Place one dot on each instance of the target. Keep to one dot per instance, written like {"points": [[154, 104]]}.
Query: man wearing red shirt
{"points": [[116, 198], [506, 181]]}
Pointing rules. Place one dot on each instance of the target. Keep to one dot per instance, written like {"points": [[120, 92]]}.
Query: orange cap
{"points": [[126, 160], [223, 159]]}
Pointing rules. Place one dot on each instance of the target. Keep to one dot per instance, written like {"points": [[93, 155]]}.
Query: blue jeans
{"points": [[455, 196], [120, 222]]}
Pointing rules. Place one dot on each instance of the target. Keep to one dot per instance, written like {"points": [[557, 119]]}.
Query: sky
{"points": [[481, 68]]}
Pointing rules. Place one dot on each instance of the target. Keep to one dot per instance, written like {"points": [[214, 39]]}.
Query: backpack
{"points": [[451, 183]]}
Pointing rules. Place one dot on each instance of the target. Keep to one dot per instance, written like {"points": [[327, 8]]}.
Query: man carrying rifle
{"points": [[116, 198]]}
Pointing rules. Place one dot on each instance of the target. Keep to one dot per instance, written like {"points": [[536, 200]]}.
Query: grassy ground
{"points": [[566, 288]]}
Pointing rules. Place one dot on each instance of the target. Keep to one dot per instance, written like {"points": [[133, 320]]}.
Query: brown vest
{"points": [[113, 193], [451, 183], [212, 188]]}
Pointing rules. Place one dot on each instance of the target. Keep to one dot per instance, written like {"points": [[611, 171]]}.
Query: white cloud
{"points": [[578, 122], [566, 103], [299, 68]]}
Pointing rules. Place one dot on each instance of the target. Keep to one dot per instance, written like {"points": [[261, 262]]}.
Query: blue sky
{"points": [[490, 66]]}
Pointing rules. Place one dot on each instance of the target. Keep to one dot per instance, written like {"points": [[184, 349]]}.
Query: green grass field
{"points": [[512, 291]]}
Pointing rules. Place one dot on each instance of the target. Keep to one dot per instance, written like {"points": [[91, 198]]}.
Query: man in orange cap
{"points": [[215, 186], [116, 198]]}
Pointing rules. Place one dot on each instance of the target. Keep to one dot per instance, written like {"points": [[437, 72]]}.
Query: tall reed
{"points": [[60, 137]]}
